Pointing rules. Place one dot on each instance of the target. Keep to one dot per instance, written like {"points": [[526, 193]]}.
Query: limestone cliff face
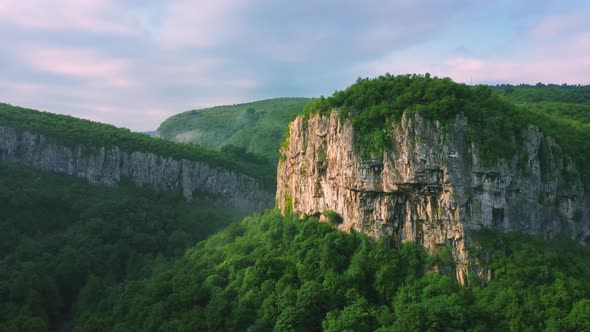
{"points": [[430, 186], [108, 165]]}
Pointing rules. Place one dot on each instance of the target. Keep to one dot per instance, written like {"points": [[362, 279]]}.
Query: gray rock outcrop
{"points": [[109, 165], [430, 186]]}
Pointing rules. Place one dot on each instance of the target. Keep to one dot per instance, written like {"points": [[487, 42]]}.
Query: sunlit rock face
{"points": [[430, 185], [109, 165]]}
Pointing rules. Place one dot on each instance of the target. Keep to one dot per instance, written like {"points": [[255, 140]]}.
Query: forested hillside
{"points": [[286, 274], [545, 93], [64, 243], [250, 129], [72, 131], [571, 102]]}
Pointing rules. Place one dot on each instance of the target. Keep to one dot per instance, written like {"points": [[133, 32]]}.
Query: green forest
{"points": [[256, 128], [64, 242], [274, 273], [249, 133]]}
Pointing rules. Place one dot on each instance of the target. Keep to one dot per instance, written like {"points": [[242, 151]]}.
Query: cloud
{"points": [[348, 29], [555, 49], [560, 26], [199, 24], [103, 16], [81, 64], [133, 63]]}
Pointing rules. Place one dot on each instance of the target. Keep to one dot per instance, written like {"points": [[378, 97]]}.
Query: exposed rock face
{"points": [[430, 186], [108, 165]]}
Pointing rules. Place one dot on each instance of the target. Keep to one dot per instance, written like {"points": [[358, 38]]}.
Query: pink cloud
{"points": [[559, 26], [88, 15], [133, 109], [466, 64], [80, 64], [555, 61], [179, 70]]}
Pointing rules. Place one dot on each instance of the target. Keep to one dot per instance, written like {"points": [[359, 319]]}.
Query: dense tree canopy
{"points": [[538, 93], [64, 242], [256, 126], [286, 274]]}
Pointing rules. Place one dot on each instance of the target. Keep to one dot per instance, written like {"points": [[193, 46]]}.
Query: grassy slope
{"points": [[259, 131]]}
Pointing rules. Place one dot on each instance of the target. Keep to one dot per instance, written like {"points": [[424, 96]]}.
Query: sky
{"points": [[133, 63]]}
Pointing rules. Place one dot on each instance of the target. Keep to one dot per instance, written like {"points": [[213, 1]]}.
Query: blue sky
{"points": [[134, 63]]}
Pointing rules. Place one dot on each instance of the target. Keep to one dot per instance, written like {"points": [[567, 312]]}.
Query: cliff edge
{"points": [[108, 165], [430, 185]]}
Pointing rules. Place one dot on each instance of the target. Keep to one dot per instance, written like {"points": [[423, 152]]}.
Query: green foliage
{"points": [[540, 93], [257, 126], [560, 111], [332, 217], [372, 105], [536, 285], [72, 131], [579, 317], [286, 274], [252, 132], [65, 243], [240, 153]]}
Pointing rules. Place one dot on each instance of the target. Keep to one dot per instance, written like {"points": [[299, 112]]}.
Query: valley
{"points": [[399, 197]]}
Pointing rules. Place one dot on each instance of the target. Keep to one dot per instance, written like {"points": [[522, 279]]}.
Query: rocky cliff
{"points": [[431, 186], [109, 165]]}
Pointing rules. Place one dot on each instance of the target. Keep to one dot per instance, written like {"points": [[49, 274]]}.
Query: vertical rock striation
{"points": [[431, 186], [109, 165]]}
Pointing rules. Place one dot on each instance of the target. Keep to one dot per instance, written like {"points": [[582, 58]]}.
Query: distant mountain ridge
{"points": [[258, 127], [151, 133], [567, 102], [107, 155]]}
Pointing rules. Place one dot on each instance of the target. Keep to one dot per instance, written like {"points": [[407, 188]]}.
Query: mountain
{"points": [[106, 155], [421, 159], [258, 127], [64, 236], [448, 169], [442, 174], [151, 133]]}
